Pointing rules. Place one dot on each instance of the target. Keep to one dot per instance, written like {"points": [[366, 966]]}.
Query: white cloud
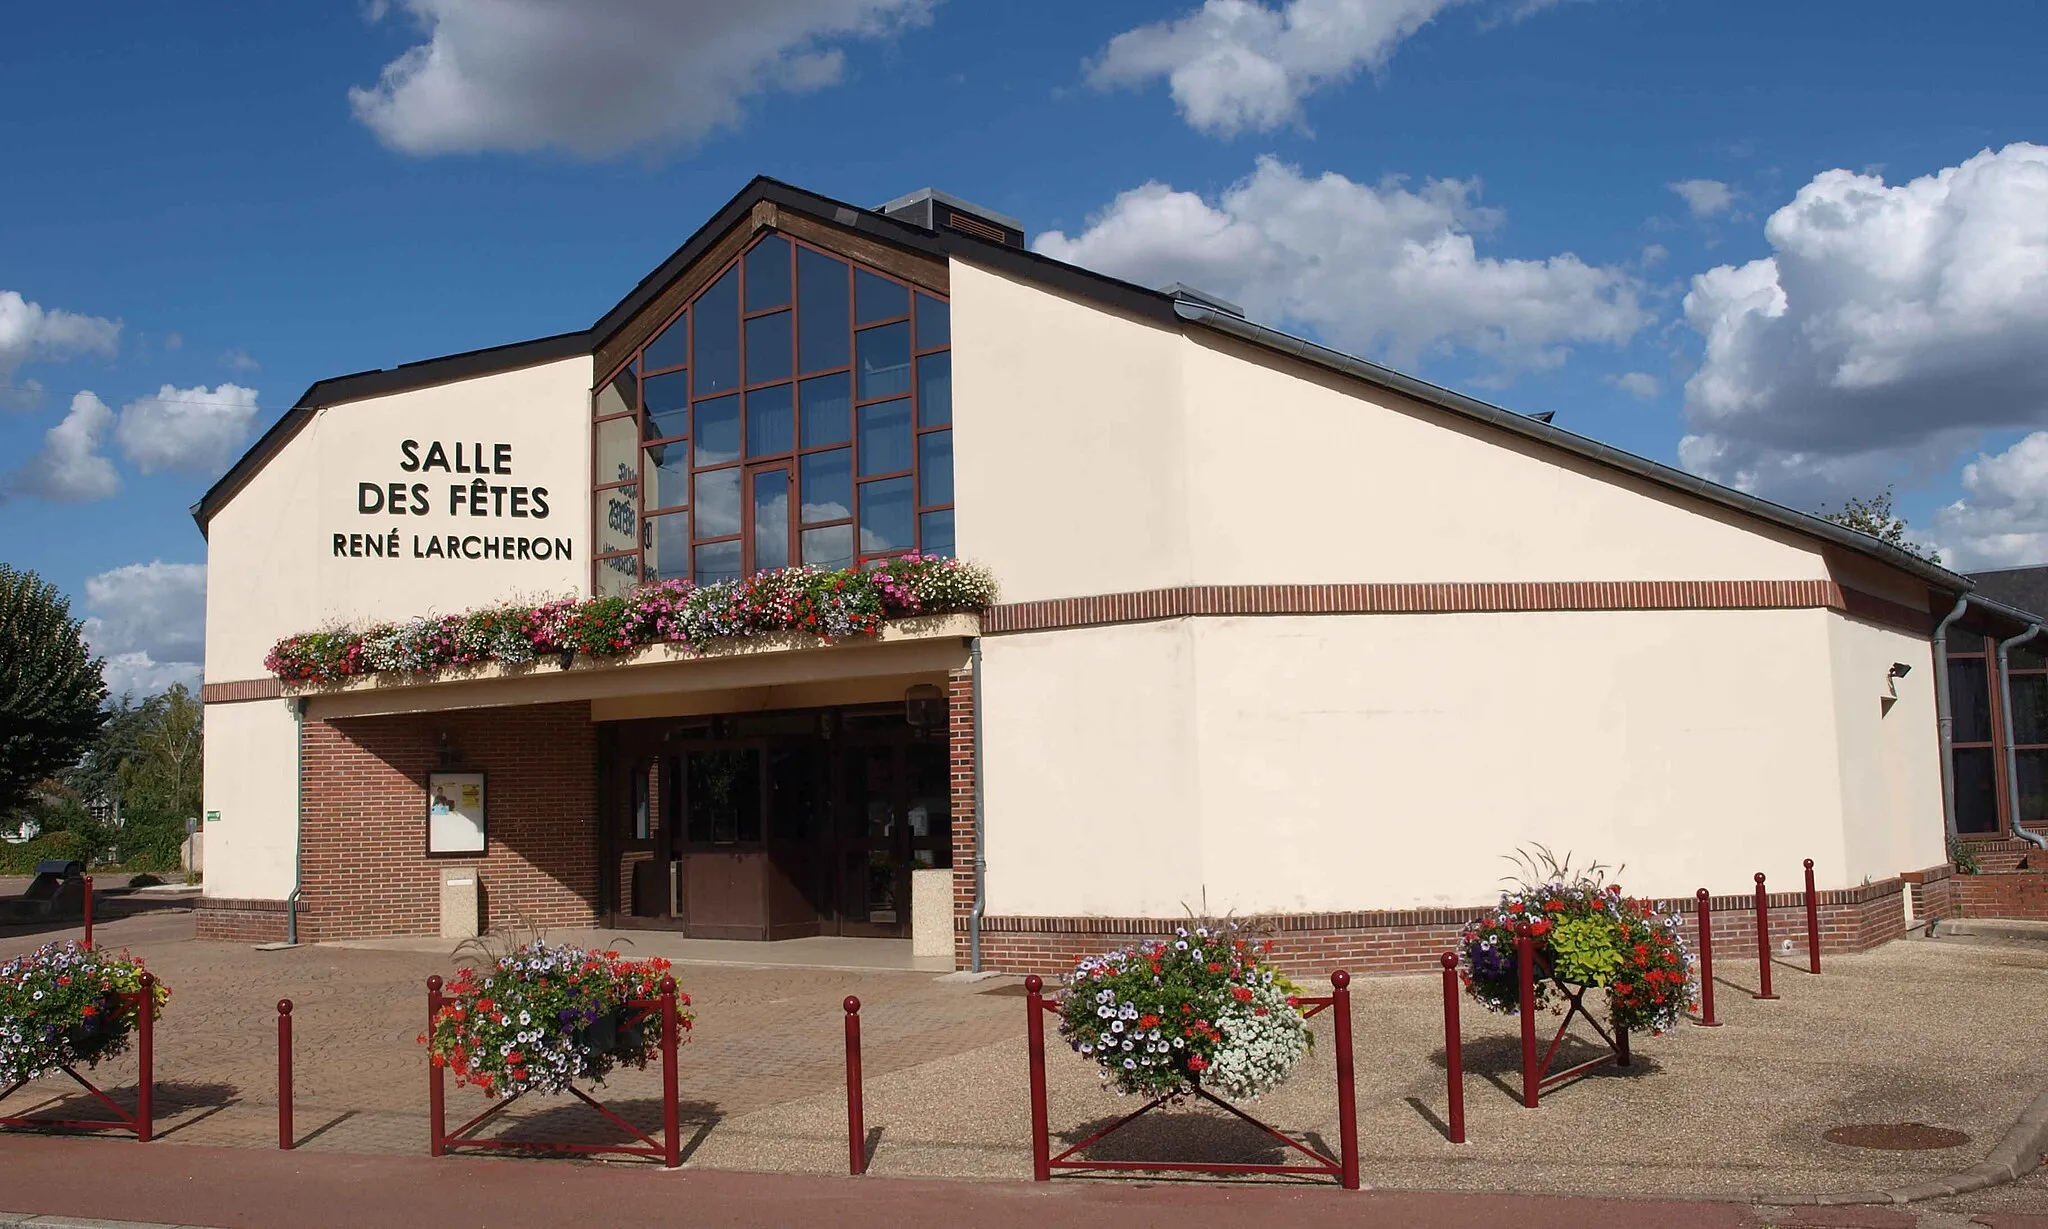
{"points": [[149, 621], [1887, 330], [30, 331], [70, 468], [2002, 518], [193, 430], [1243, 66], [1639, 384], [1705, 197], [1385, 270], [598, 77], [239, 360]]}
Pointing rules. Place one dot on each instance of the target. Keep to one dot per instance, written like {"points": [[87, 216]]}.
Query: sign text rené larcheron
{"points": [[477, 497]]}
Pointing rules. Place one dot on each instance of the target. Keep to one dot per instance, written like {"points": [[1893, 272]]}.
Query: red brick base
{"points": [[2020, 895], [1413, 940], [240, 921]]}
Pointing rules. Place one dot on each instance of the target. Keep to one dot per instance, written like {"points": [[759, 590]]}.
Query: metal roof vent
{"points": [[1188, 294], [935, 210]]}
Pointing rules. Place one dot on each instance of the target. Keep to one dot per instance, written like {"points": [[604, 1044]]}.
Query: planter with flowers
{"points": [[546, 1018], [1200, 1016], [65, 1006]]}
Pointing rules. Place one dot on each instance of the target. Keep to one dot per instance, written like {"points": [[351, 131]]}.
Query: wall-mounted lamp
{"points": [[924, 706], [1892, 676]]}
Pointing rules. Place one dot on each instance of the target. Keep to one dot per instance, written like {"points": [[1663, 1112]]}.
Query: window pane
{"points": [[617, 512], [718, 503], [885, 517], [885, 437], [718, 561], [1976, 795], [621, 396], [2028, 656], [935, 390], [768, 274], [613, 457], [771, 421], [878, 298], [934, 323], [822, 322], [671, 347], [884, 362], [831, 547], [2029, 709], [668, 405], [2033, 784], [1969, 697], [828, 410], [617, 575], [666, 475], [718, 430], [826, 484], [935, 468], [668, 547], [718, 335], [935, 533], [771, 519], [768, 348]]}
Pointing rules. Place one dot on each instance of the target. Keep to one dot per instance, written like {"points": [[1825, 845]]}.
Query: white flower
{"points": [[1116, 1026], [1130, 1065]]}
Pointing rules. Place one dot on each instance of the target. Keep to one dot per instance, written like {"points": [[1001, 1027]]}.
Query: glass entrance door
{"points": [[723, 860]]}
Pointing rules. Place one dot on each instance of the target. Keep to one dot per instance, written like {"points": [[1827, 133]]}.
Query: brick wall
{"points": [[2020, 895], [960, 734], [240, 921], [365, 868]]}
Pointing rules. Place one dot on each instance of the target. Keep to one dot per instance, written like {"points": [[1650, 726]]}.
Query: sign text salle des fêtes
{"points": [[485, 495]]}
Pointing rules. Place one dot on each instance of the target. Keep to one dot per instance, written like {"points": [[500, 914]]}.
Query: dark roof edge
{"points": [[1592, 450]]}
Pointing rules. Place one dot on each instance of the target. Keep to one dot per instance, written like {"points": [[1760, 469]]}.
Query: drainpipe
{"points": [[980, 809], [1944, 720], [291, 903], [2012, 757]]}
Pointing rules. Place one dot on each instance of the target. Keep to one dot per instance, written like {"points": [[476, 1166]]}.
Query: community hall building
{"points": [[1281, 632]]}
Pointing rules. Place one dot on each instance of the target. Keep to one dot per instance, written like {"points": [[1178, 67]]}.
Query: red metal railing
{"points": [[1812, 922], [1763, 940], [1537, 1076], [1344, 1167], [88, 913], [284, 1074], [1454, 1051], [143, 1120], [856, 1112], [1705, 914], [668, 1151]]}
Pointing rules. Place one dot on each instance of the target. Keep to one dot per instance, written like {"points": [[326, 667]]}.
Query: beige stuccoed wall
{"points": [[1890, 756], [250, 778], [1297, 764], [271, 569]]}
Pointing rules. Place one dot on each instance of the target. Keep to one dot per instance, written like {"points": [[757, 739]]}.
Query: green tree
{"points": [[1875, 517], [50, 685]]}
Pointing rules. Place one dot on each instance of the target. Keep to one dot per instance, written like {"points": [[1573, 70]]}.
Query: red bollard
{"points": [[284, 1074], [88, 913], [437, 1117], [1454, 1049], [856, 1116], [671, 1110], [145, 1055], [1763, 939], [1705, 913], [1034, 1039], [1347, 1088], [1812, 922], [1525, 974]]}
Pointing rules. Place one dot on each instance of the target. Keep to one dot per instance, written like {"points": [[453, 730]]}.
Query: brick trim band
{"points": [[237, 690], [1446, 597]]}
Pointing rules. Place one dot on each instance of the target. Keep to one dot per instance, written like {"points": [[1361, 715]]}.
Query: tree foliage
{"points": [[50, 685], [1875, 517]]}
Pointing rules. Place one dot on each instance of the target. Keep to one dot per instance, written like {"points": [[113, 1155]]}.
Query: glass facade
{"points": [[798, 410]]}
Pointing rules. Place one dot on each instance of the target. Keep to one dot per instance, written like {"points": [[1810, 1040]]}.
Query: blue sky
{"points": [[204, 219]]}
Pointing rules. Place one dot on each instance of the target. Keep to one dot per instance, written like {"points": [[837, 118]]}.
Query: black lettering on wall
{"points": [[410, 450]]}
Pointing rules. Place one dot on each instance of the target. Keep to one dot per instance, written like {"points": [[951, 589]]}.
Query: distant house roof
{"points": [[1176, 307], [2024, 588]]}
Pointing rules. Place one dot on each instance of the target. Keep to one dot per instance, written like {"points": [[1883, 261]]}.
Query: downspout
{"points": [[1944, 720], [980, 808], [291, 903], [2012, 757]]}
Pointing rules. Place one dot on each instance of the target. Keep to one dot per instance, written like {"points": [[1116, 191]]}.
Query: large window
{"points": [[2028, 670], [1975, 749], [798, 410]]}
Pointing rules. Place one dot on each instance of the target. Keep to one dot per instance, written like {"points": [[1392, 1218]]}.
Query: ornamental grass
{"points": [[831, 605]]}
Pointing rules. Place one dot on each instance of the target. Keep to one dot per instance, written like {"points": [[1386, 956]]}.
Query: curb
{"points": [[2019, 1153], [23, 1220]]}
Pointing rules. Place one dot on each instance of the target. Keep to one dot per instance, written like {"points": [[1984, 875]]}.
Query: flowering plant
{"points": [[545, 1017], [1203, 1009], [831, 605], [1585, 933], [62, 1006]]}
